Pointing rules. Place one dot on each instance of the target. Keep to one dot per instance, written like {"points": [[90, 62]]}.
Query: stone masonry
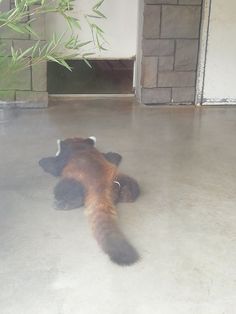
{"points": [[168, 40], [28, 88]]}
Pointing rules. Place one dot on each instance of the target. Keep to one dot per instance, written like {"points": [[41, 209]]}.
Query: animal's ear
{"points": [[114, 158], [91, 140], [52, 165]]}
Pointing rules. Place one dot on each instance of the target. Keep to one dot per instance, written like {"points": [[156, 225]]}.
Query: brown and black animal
{"points": [[80, 164], [70, 193]]}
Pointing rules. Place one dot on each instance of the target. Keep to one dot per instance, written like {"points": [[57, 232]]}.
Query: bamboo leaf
{"points": [[13, 53], [27, 51], [76, 44], [35, 49], [51, 58], [99, 29], [4, 20], [87, 54], [49, 46], [98, 4], [59, 61], [54, 38], [13, 19], [84, 44], [73, 22], [100, 15], [102, 48], [87, 62], [31, 31], [65, 64], [11, 13], [42, 49], [17, 28], [93, 16]]}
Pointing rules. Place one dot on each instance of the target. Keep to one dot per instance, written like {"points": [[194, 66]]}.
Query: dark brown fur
{"points": [[88, 166]]}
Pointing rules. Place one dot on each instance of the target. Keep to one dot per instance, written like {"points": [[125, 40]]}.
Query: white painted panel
{"points": [[120, 26], [220, 72]]}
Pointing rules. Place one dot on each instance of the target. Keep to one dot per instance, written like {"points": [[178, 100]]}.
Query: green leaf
{"points": [[35, 49], [73, 22], [18, 28], [27, 51], [93, 16], [59, 61], [99, 14], [75, 44], [84, 44], [65, 64], [98, 4], [31, 31], [86, 54], [13, 53], [49, 46], [51, 58], [11, 13], [87, 62], [40, 51], [99, 29]]}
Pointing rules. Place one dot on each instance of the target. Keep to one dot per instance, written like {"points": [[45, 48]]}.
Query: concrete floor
{"points": [[183, 225]]}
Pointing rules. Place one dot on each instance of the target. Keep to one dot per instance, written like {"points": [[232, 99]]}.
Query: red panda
{"points": [[87, 165]]}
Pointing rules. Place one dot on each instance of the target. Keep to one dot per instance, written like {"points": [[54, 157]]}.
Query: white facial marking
{"points": [[58, 147], [93, 138]]}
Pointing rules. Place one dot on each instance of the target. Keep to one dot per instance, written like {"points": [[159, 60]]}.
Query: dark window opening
{"points": [[105, 77]]}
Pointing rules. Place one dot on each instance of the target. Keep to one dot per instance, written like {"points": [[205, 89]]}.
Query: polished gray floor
{"points": [[183, 224]]}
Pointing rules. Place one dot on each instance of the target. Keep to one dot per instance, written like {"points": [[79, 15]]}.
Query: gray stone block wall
{"points": [[169, 39], [28, 88]]}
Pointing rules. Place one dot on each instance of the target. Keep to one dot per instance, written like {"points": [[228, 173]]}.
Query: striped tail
{"points": [[109, 237]]}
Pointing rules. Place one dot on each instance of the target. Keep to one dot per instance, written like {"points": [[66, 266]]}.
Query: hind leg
{"points": [[129, 188], [69, 194]]}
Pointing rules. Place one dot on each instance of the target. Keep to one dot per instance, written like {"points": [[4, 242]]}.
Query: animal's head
{"points": [[71, 146], [66, 149]]}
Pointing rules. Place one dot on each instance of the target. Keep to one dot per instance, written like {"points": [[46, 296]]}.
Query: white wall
{"points": [[120, 26], [220, 71]]}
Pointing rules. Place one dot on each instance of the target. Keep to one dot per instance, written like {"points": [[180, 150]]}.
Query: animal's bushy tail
{"points": [[109, 237]]}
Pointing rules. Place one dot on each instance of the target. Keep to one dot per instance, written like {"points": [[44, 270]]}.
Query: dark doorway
{"points": [[104, 77]]}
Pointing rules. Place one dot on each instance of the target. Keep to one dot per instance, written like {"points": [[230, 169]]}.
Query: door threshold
{"points": [[87, 96]]}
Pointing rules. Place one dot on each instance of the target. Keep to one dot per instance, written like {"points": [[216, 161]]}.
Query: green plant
{"points": [[20, 18]]}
